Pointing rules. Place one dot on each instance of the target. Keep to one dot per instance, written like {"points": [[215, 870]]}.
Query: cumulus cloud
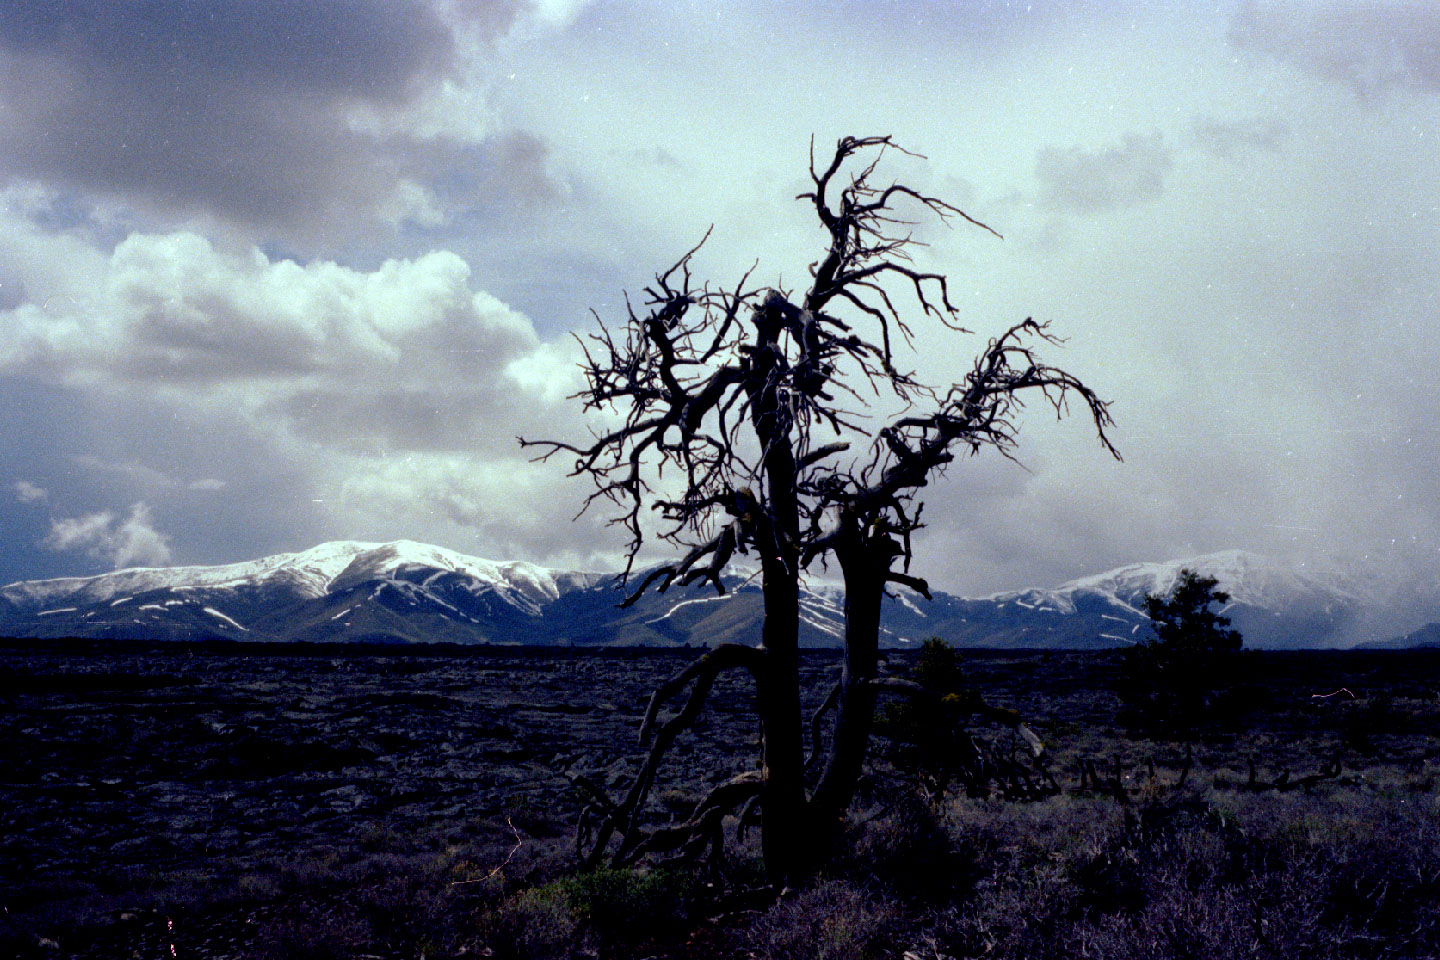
{"points": [[1373, 47], [510, 508], [405, 355], [27, 492], [138, 543], [131, 542], [1093, 181], [391, 394], [69, 533]]}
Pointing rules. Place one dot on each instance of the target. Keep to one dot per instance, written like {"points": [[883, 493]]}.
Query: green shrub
{"points": [[629, 905], [536, 924]]}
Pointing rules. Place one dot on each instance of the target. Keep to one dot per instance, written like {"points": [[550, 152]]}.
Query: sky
{"points": [[274, 273]]}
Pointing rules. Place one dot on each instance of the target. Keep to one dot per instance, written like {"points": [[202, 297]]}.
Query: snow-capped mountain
{"points": [[407, 591], [1272, 604], [335, 591]]}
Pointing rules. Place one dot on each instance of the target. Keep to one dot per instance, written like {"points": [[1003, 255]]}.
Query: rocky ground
{"points": [[139, 779], [181, 802]]}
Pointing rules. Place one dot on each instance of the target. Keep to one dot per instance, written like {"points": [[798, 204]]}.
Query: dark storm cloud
{"points": [[1090, 181], [236, 109], [1371, 46], [375, 50]]}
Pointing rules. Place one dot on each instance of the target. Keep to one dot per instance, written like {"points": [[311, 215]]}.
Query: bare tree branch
{"points": [[831, 699]]}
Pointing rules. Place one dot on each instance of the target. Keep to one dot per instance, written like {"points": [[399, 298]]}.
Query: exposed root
{"points": [[701, 831], [702, 828]]}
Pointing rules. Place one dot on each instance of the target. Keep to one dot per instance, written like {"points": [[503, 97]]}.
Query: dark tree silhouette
{"points": [[739, 420], [1184, 620], [1167, 683]]}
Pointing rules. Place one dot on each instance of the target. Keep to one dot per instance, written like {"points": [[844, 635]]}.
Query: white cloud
{"points": [[407, 353], [551, 371], [27, 492], [559, 12], [396, 392], [501, 508], [138, 543], [411, 202], [128, 543], [71, 533]]}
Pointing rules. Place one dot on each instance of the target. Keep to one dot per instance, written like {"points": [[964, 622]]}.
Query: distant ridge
{"points": [[415, 592]]}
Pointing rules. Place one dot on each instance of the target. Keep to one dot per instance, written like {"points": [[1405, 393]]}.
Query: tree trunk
{"points": [[783, 832], [855, 711]]}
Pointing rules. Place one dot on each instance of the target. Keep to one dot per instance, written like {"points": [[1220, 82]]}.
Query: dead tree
{"points": [[737, 420]]}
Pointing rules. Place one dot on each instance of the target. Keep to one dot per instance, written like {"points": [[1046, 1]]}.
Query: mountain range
{"points": [[413, 592]]}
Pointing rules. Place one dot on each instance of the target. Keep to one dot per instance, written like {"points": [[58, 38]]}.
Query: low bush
{"points": [[1267, 876], [832, 920], [609, 906], [535, 924], [911, 854], [626, 904]]}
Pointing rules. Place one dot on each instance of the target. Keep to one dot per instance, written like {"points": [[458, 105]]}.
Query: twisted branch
{"points": [[624, 816]]}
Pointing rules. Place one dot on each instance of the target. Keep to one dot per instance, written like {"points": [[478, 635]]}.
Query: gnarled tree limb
{"points": [[625, 815]]}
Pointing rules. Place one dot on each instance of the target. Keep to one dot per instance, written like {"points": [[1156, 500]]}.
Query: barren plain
{"points": [[176, 801]]}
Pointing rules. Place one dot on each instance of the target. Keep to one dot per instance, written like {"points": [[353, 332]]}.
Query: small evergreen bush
{"points": [[1168, 683]]}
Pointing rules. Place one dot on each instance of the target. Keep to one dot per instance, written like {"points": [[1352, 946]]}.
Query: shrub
{"points": [[923, 735], [912, 854], [832, 920], [309, 935], [626, 905], [536, 924]]}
